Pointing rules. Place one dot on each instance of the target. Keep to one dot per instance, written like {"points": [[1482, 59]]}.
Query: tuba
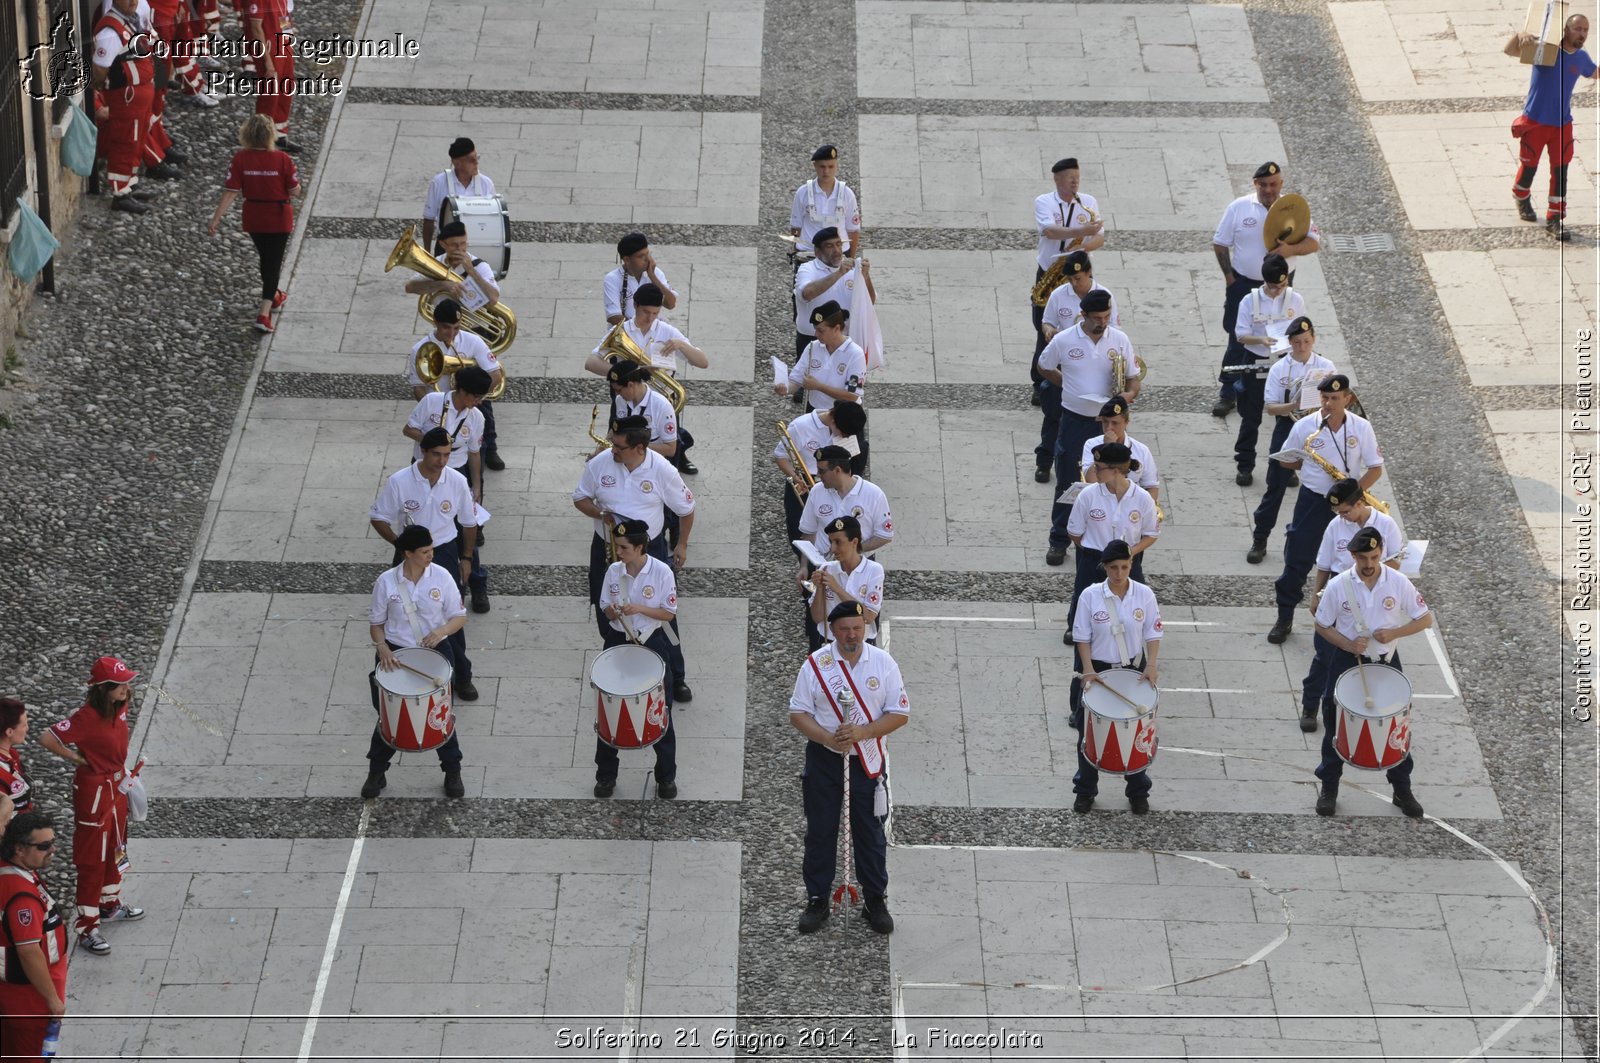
{"points": [[496, 324], [803, 481], [433, 362], [618, 344]]}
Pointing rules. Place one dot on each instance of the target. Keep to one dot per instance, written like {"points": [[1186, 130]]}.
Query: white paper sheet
{"points": [[1411, 564], [808, 550], [780, 374], [1070, 495]]}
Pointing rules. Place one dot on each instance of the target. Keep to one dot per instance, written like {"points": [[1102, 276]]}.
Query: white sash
{"points": [[1118, 629], [405, 600], [1358, 611], [626, 585], [836, 679]]}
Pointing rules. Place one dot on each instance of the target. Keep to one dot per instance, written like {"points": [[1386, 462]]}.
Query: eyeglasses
{"points": [[43, 847]]}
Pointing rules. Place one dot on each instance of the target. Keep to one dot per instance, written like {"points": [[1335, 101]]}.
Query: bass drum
{"points": [[488, 228]]}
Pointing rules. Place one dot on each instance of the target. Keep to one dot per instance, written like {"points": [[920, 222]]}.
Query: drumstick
{"points": [[436, 681], [1365, 693], [1129, 701]]}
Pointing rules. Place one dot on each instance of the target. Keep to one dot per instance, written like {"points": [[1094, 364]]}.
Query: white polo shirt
{"points": [[1098, 611], [1286, 374], [810, 435], [435, 596], [865, 501], [656, 409], [865, 585], [1260, 315], [1334, 553], [467, 344], [408, 498], [1062, 311], [842, 292], [1085, 366], [1392, 602], [1240, 231], [1351, 449], [1146, 477], [644, 494], [815, 209], [616, 290], [844, 368], [445, 184], [652, 342], [876, 676], [1051, 209], [1100, 516], [654, 586], [435, 410]]}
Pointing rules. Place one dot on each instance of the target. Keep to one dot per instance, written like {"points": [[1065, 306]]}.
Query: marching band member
{"points": [[1112, 508], [850, 577], [1240, 250], [825, 279], [662, 343], [457, 412], [1346, 442], [1067, 221], [632, 396], [638, 268], [633, 482], [430, 493], [1363, 614], [448, 334], [1061, 312], [15, 786], [840, 425], [1116, 624], [1333, 557], [1262, 312], [832, 369], [1286, 380], [123, 75], [1545, 123], [416, 603], [639, 599], [1079, 362], [1114, 419], [841, 493], [824, 201], [460, 178], [847, 699], [99, 731], [34, 992]]}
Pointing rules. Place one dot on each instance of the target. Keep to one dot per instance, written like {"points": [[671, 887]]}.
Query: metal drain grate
{"points": [[1365, 244]]}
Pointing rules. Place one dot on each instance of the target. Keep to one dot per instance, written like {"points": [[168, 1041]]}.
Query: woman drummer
{"points": [[1111, 508], [416, 603], [95, 738], [1118, 625], [15, 786]]}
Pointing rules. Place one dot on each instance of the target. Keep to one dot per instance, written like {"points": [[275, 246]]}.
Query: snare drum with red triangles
{"points": [[1379, 737], [1119, 738], [630, 697], [414, 711]]}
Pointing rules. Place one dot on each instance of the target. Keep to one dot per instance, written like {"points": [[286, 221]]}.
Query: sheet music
{"points": [[1411, 563], [472, 297], [780, 374], [1290, 454], [808, 550], [1070, 495]]}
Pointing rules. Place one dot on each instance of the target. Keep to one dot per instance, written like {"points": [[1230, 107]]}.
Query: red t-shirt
{"points": [[265, 178], [103, 744], [14, 781], [30, 925]]}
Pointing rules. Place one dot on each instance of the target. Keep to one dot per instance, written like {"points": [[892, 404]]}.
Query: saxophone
{"points": [[1327, 467], [1056, 275]]}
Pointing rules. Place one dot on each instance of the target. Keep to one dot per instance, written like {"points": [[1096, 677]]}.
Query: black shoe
{"points": [[876, 913], [1525, 209], [1244, 478], [493, 461], [1083, 804], [1258, 551], [1222, 408], [1055, 556], [1557, 228], [128, 205], [374, 785], [666, 790], [689, 468], [681, 692], [814, 916], [1308, 720], [1327, 802], [453, 786], [1041, 476], [288, 146], [145, 195], [174, 156], [1066, 637], [480, 599], [1407, 802], [1294, 479], [465, 690], [1140, 805], [1280, 631], [1034, 398], [605, 787], [164, 171]]}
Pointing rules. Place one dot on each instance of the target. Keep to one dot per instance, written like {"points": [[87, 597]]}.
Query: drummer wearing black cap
{"points": [[639, 600], [1117, 624], [1063, 310], [824, 201], [1363, 614], [416, 603], [832, 369], [1065, 223], [1263, 317], [638, 268], [461, 179]]}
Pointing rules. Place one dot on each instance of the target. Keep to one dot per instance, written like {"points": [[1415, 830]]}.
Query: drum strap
{"points": [[410, 606], [1358, 612], [1119, 631], [627, 625]]}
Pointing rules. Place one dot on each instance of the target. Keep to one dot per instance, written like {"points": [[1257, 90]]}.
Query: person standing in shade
{"points": [[34, 991], [825, 201], [266, 177], [457, 412], [1111, 509], [1545, 124], [850, 576], [636, 269], [1263, 317], [1062, 311]]}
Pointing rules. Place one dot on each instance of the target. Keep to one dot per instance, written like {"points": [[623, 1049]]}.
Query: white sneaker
{"points": [[122, 913], [93, 942], [202, 99]]}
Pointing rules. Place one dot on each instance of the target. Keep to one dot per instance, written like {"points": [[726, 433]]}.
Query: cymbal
{"points": [[1288, 221]]}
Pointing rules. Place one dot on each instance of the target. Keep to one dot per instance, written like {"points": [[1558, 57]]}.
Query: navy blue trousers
{"points": [[1332, 766], [1312, 515], [1241, 287], [1075, 430], [1278, 481], [822, 792]]}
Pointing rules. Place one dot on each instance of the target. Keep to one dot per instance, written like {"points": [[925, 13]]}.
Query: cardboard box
{"points": [[1545, 22]]}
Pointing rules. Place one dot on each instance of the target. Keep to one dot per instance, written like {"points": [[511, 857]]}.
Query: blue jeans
{"points": [[1278, 480], [1312, 515]]}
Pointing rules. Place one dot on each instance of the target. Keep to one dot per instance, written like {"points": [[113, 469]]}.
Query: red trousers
{"points": [[100, 832], [178, 33], [23, 1019], [123, 133], [275, 104], [1536, 139]]}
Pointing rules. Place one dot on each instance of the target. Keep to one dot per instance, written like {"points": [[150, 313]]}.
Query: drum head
{"points": [[1389, 687], [1127, 682], [627, 670], [409, 684]]}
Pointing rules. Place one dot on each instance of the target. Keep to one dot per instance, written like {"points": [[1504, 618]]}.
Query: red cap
{"points": [[111, 670]]}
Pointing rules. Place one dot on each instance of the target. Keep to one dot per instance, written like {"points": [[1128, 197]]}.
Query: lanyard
{"points": [[1344, 442], [459, 424]]}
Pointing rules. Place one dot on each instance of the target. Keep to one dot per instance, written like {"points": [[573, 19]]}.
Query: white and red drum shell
{"points": [[414, 714], [1117, 738], [630, 697], [488, 228], [1380, 737]]}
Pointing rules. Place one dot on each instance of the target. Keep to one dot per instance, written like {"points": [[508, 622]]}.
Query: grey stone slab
{"points": [[1322, 997], [1026, 917], [933, 881], [223, 619], [1271, 869], [601, 910], [1066, 865], [406, 963], [525, 890], [1407, 875], [1043, 966], [382, 854], [284, 988], [1414, 967], [1213, 978], [1408, 1032], [229, 890], [1121, 955], [1167, 1014], [692, 948], [1357, 908], [936, 948], [587, 979], [498, 945], [1501, 933], [370, 926], [219, 946], [1189, 938], [694, 876], [426, 996], [1140, 902]]}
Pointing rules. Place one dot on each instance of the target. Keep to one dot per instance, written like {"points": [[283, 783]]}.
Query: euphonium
{"points": [[1119, 372], [618, 344], [1327, 467], [802, 474], [495, 323], [432, 362]]}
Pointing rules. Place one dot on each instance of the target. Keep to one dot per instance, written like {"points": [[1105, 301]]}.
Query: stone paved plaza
{"points": [[290, 920]]}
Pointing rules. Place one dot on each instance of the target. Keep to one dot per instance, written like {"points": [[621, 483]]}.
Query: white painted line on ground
{"points": [[972, 619], [325, 971], [1444, 665]]}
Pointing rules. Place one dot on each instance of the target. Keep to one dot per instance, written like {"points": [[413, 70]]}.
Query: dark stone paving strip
{"points": [[1072, 108], [591, 101], [555, 232], [1526, 397], [1487, 103], [1528, 236]]}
